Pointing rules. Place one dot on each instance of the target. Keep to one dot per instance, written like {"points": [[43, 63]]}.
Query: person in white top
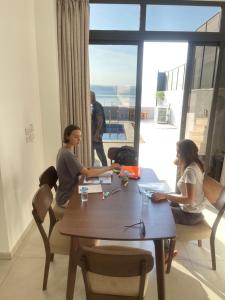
{"points": [[188, 205]]}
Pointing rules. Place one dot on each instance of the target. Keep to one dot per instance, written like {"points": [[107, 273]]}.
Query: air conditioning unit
{"points": [[162, 114]]}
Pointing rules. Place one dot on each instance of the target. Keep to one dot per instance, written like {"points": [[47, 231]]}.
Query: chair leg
{"points": [[213, 252], [200, 243], [51, 256], [171, 250], [47, 264]]}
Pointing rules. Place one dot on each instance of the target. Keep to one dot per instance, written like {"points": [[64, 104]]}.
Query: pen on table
{"points": [[115, 191]]}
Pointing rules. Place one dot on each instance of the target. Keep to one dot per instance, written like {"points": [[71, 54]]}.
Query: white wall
{"points": [[29, 94], [175, 100], [21, 162], [46, 34]]}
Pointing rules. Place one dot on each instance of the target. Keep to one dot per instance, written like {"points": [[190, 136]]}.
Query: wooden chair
{"points": [[112, 153], [215, 194], [54, 242], [50, 177], [115, 272]]}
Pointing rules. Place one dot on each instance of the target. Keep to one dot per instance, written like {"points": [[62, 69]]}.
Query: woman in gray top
{"points": [[69, 167]]}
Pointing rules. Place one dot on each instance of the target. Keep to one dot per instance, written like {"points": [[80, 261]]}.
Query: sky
{"points": [[159, 57], [159, 17], [117, 64]]}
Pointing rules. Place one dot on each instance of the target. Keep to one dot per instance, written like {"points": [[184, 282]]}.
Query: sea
{"points": [[112, 95]]}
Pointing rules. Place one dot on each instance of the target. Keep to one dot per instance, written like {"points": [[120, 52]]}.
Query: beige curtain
{"points": [[73, 39]]}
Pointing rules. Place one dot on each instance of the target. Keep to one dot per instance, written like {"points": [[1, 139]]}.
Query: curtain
{"points": [[74, 83]]}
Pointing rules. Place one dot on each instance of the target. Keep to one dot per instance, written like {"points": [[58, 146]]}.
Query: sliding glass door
{"points": [[200, 92], [113, 71]]}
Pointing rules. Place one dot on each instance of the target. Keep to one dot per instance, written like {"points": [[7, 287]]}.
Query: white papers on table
{"points": [[92, 188], [107, 173], [105, 178], [91, 180], [161, 186], [98, 180]]}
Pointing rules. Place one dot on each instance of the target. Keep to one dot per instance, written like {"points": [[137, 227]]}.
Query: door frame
{"points": [[124, 37], [188, 88]]}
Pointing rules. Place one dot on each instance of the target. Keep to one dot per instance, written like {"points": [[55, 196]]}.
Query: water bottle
{"points": [[84, 193]]}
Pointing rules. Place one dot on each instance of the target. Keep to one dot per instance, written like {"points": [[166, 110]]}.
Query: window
{"points": [[114, 17], [182, 18]]}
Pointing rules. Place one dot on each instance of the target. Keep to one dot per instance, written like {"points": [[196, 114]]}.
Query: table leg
{"points": [[72, 268], [159, 256]]}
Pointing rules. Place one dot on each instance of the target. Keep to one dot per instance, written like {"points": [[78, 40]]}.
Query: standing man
{"points": [[98, 128]]}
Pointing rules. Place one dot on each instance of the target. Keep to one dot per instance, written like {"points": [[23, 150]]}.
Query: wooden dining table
{"points": [[105, 219]]}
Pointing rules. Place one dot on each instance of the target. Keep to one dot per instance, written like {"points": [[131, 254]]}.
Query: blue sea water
{"points": [[113, 100], [114, 95]]}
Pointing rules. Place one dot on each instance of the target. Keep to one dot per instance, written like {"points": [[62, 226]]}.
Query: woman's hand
{"points": [[115, 166], [159, 196]]}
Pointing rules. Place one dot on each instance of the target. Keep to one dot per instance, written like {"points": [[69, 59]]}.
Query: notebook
{"points": [[134, 172]]}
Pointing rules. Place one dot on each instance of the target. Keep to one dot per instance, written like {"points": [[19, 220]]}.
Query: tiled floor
{"points": [[191, 275]]}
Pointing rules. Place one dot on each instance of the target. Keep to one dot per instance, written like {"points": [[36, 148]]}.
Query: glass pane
{"points": [[201, 95], [161, 106], [196, 79], [218, 142], [182, 18], [114, 17], [208, 67], [113, 80]]}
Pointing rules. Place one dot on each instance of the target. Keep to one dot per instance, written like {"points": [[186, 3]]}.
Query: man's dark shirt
{"points": [[98, 111]]}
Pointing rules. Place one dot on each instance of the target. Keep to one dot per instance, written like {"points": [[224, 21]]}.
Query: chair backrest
{"points": [[41, 206], [112, 153], [42, 202], [114, 272], [49, 177], [214, 192]]}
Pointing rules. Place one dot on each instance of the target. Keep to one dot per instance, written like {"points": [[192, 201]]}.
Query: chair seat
{"points": [[60, 244], [199, 231], [58, 211]]}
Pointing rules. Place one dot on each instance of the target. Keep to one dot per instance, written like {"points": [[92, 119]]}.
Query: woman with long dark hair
{"points": [[188, 205]]}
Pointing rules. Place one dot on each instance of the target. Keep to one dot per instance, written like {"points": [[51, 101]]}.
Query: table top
{"points": [[105, 218]]}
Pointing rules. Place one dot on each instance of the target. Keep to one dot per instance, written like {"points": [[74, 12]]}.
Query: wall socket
{"points": [[29, 133]]}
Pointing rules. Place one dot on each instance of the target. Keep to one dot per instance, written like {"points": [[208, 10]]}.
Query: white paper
{"points": [[92, 180], [92, 188], [161, 186], [98, 180], [105, 179]]}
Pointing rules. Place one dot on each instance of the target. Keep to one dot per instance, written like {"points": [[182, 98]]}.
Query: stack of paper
{"points": [[105, 178], [161, 186], [92, 188], [91, 180]]}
